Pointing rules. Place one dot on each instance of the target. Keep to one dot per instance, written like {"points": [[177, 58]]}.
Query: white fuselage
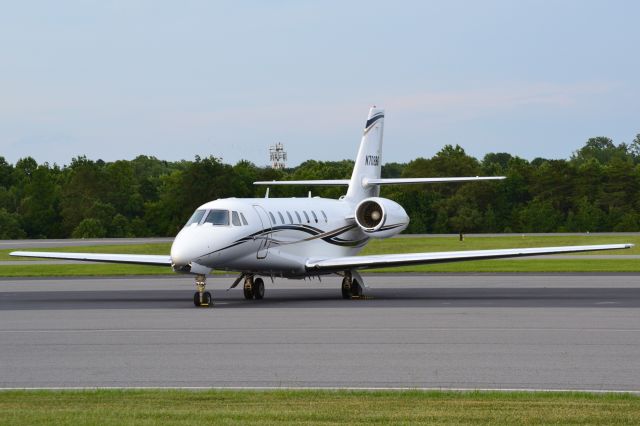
{"points": [[279, 236]]}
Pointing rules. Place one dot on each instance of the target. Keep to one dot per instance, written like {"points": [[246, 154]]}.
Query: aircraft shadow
{"points": [[605, 297]]}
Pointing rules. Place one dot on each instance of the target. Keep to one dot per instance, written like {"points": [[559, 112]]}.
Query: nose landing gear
{"points": [[202, 298]]}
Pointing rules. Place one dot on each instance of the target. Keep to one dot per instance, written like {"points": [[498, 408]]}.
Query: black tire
{"points": [[346, 289], [196, 298], [207, 299], [248, 292], [258, 288], [356, 288]]}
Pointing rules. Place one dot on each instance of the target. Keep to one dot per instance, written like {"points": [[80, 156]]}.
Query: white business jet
{"points": [[304, 237]]}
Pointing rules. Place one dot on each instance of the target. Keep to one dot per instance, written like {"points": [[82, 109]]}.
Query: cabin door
{"points": [[265, 237]]}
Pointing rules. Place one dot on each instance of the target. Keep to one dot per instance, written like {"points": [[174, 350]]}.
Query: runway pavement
{"points": [[518, 331]]}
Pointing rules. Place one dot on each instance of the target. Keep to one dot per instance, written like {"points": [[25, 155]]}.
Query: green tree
{"points": [[84, 184], [539, 216], [495, 163], [629, 222], [586, 218], [601, 149], [6, 173], [40, 206], [119, 227], [121, 188], [10, 226], [89, 228], [392, 170]]}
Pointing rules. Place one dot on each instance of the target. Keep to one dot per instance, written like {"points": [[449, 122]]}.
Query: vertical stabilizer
{"points": [[369, 160]]}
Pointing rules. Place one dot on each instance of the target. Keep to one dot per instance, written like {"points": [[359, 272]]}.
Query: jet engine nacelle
{"points": [[380, 217]]}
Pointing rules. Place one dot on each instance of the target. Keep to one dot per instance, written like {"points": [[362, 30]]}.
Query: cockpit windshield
{"points": [[218, 217], [196, 217]]}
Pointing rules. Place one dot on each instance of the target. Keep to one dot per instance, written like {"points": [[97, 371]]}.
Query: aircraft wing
{"points": [[390, 260], [136, 259]]}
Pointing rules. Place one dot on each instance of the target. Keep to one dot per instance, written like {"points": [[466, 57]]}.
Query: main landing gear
{"points": [[351, 286], [202, 298], [253, 288]]}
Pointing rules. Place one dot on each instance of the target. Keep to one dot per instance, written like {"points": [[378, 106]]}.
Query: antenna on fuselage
{"points": [[266, 194], [309, 194]]}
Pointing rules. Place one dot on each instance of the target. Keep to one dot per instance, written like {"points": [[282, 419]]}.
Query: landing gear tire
{"points": [[346, 288], [351, 287], [258, 289], [248, 289], [206, 299], [356, 289], [201, 297]]}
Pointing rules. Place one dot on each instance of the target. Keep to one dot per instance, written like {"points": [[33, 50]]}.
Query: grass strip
{"points": [[81, 270], [107, 407]]}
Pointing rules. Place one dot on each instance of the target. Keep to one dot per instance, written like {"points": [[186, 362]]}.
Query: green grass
{"points": [[81, 270], [106, 407], [413, 245], [394, 245]]}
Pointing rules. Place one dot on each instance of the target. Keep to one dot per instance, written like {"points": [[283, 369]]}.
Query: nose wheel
{"points": [[202, 298], [253, 288]]}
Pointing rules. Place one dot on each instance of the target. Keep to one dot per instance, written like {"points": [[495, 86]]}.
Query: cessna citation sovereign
{"points": [[304, 237]]}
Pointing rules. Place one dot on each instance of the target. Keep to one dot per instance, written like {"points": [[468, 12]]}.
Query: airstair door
{"points": [[265, 237]]}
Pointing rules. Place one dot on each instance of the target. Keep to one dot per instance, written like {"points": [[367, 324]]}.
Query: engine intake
{"points": [[369, 215], [380, 217]]}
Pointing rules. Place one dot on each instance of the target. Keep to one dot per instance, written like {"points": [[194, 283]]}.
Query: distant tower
{"points": [[278, 156]]}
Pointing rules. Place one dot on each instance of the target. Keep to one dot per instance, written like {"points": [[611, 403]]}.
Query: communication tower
{"points": [[278, 156]]}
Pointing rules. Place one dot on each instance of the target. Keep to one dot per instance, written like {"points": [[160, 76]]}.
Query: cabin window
{"points": [[324, 215], [235, 219], [244, 220], [306, 216], [281, 218], [298, 216], [290, 218], [218, 217], [273, 218], [314, 216], [196, 217]]}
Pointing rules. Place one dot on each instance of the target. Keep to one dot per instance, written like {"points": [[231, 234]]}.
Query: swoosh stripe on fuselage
{"points": [[329, 236]]}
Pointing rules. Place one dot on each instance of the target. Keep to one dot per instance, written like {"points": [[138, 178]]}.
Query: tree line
{"points": [[596, 190]]}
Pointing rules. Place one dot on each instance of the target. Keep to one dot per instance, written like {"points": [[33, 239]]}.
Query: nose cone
{"points": [[188, 246]]}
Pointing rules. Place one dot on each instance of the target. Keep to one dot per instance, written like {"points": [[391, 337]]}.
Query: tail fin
{"points": [[365, 180], [369, 160]]}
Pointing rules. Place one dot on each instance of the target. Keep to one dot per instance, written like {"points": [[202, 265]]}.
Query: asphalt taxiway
{"points": [[520, 331]]}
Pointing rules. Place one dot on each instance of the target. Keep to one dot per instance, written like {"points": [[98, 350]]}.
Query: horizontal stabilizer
{"points": [[379, 181], [389, 260], [330, 182], [134, 259], [406, 181]]}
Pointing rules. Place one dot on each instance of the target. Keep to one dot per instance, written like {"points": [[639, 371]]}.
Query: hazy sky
{"points": [[115, 79]]}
